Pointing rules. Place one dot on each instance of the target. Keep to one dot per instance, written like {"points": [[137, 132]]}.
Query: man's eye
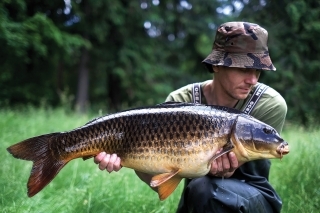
{"points": [[258, 72]]}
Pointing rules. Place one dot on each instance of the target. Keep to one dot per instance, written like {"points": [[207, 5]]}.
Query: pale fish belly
{"points": [[192, 165]]}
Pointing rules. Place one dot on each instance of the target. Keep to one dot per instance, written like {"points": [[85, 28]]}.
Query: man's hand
{"points": [[225, 165], [108, 162]]}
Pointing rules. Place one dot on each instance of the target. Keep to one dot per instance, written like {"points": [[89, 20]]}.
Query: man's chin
{"points": [[242, 96]]}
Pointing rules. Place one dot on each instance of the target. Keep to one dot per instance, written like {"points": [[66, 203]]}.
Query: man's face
{"points": [[236, 82]]}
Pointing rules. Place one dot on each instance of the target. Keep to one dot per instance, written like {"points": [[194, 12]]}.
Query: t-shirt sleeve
{"points": [[181, 95], [271, 109], [170, 98]]}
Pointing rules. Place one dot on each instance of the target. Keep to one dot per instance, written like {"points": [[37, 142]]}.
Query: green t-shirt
{"points": [[270, 109]]}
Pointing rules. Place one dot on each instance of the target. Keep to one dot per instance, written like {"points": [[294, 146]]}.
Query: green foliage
{"points": [[135, 52], [129, 64], [293, 29], [33, 50]]}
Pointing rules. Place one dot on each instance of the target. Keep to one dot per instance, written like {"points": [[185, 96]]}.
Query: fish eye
{"points": [[267, 130]]}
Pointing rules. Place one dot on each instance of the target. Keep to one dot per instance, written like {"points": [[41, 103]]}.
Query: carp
{"points": [[170, 141]]}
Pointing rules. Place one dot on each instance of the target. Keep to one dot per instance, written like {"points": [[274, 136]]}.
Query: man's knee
{"points": [[200, 196], [207, 194], [200, 188]]}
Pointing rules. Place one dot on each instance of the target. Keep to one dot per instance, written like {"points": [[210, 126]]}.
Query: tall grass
{"points": [[82, 187], [297, 177]]}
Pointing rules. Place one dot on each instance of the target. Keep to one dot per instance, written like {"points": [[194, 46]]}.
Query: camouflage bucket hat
{"points": [[240, 44]]}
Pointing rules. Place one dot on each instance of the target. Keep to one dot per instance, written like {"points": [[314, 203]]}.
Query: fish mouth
{"points": [[283, 149]]}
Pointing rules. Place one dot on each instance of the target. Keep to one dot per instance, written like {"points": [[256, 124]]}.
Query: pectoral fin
{"points": [[166, 183], [166, 189], [225, 149]]}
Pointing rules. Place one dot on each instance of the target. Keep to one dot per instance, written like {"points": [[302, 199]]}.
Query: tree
{"points": [[117, 54], [142, 51], [33, 52], [293, 28]]}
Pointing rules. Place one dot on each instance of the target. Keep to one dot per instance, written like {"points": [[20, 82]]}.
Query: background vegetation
{"points": [[82, 187], [112, 55]]}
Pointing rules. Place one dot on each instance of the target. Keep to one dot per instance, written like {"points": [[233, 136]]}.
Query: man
{"points": [[239, 53]]}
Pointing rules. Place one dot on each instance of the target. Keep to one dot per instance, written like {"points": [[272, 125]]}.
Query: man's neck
{"points": [[215, 95]]}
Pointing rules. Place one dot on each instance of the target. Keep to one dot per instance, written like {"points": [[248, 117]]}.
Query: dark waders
{"points": [[217, 195]]}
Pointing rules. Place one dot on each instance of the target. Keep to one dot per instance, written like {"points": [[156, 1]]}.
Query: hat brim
{"points": [[260, 61]]}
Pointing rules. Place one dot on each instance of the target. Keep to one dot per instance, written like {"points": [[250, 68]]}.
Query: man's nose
{"points": [[252, 78]]}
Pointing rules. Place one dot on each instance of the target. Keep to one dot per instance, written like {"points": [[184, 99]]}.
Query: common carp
{"points": [[171, 141]]}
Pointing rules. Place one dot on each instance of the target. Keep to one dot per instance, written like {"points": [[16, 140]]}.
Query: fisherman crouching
{"points": [[239, 54]]}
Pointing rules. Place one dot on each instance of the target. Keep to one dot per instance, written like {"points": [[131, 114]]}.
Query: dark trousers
{"points": [[209, 194]]}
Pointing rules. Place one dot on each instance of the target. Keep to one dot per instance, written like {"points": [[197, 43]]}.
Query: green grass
{"points": [[82, 187], [297, 176]]}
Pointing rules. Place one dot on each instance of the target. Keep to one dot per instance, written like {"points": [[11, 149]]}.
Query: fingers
{"points": [[234, 164], [114, 163], [97, 159], [104, 162], [108, 162], [117, 165], [216, 165], [225, 165]]}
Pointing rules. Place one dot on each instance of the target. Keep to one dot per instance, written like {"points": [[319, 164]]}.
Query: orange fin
{"points": [[166, 183], [45, 165], [226, 148], [166, 189]]}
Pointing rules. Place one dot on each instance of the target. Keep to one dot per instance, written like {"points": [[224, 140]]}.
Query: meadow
{"points": [[82, 187]]}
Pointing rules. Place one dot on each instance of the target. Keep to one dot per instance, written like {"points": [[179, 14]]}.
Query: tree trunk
{"points": [[82, 100]]}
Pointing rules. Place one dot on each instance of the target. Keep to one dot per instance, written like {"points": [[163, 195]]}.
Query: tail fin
{"points": [[45, 165]]}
